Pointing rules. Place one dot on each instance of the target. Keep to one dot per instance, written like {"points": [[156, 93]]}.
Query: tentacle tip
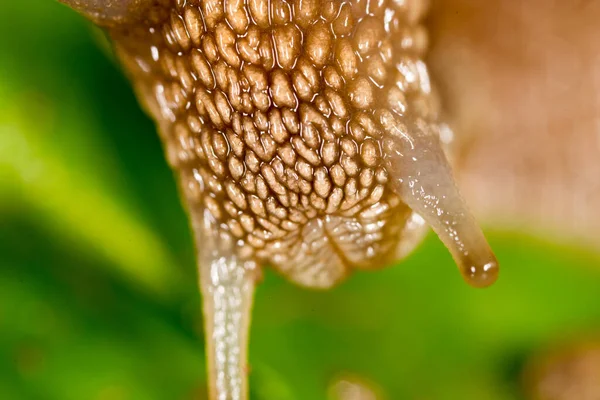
{"points": [[481, 275]]}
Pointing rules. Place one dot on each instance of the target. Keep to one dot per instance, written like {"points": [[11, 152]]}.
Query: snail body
{"points": [[270, 114], [305, 135]]}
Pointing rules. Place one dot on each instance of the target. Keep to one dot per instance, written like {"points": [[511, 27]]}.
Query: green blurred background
{"points": [[98, 295]]}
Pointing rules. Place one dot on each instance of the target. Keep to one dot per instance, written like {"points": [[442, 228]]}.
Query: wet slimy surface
{"points": [[427, 186], [275, 115], [271, 114], [305, 135]]}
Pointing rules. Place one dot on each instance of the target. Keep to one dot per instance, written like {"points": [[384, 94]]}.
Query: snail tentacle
{"points": [[422, 177], [227, 286]]}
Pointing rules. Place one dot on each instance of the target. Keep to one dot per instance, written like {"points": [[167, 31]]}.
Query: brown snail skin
{"points": [[305, 135]]}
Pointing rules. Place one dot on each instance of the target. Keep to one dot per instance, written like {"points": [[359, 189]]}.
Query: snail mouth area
{"points": [[327, 249]]}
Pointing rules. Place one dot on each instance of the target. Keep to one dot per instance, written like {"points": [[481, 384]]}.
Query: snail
{"points": [[305, 134]]}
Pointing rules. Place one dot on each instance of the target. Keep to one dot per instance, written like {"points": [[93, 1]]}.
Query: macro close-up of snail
{"points": [[318, 138], [304, 137]]}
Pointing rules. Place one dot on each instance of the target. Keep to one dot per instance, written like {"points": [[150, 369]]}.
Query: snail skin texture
{"points": [[305, 135]]}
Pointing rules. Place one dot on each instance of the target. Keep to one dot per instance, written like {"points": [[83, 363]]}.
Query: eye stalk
{"points": [[422, 177], [109, 12]]}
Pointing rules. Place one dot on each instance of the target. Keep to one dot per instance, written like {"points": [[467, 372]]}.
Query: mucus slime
{"points": [[305, 135]]}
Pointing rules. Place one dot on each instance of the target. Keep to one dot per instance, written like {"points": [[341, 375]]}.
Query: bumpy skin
{"points": [[304, 133], [273, 113]]}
